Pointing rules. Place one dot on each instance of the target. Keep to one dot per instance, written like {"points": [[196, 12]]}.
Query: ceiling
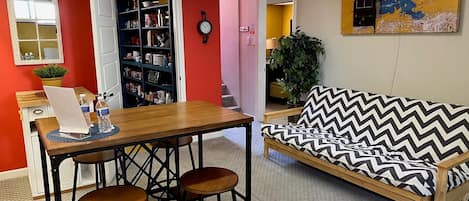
{"points": [[277, 1]]}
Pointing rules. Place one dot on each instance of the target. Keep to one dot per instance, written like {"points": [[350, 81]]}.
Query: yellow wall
{"points": [[274, 21], [278, 20], [287, 16]]}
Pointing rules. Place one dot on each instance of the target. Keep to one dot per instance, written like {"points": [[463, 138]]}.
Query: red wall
{"points": [[78, 53], [203, 64], [203, 71]]}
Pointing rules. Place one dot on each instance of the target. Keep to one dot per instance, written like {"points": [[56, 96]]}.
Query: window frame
{"points": [[16, 41]]}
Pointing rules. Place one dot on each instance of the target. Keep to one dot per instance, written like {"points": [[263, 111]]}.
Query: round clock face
{"points": [[205, 27]]}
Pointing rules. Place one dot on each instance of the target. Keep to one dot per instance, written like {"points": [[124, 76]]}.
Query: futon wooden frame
{"points": [[460, 193]]}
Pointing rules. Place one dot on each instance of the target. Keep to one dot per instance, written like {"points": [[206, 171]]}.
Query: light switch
{"points": [[244, 29]]}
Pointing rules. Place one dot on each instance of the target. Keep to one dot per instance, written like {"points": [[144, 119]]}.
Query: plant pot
{"points": [[55, 81]]}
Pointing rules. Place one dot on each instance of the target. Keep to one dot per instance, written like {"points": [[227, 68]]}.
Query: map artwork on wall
{"points": [[399, 16]]}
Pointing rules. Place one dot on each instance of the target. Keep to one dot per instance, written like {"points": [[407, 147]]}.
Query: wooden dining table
{"points": [[142, 125]]}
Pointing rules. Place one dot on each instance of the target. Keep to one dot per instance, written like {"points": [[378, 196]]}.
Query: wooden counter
{"points": [[38, 97]]}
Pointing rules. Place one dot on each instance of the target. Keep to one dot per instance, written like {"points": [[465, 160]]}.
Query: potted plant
{"points": [[298, 57], [51, 74]]}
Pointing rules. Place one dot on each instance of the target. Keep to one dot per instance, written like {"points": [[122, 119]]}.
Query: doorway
{"points": [[279, 22], [108, 73]]}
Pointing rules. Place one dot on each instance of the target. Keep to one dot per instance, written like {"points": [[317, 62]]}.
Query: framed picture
{"points": [[400, 16], [153, 76]]}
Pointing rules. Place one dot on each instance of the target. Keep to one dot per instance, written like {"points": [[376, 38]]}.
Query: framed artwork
{"points": [[400, 16], [153, 76]]}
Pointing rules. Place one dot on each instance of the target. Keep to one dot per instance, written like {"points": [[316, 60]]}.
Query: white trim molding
{"points": [[12, 174], [15, 43], [261, 59], [179, 45]]}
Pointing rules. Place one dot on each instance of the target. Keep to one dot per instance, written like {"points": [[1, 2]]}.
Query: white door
{"points": [[106, 52]]}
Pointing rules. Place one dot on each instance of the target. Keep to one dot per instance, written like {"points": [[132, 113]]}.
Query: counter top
{"points": [[38, 97]]}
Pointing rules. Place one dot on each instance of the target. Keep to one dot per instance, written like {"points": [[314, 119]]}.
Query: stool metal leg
{"points": [[218, 197], [117, 169], [168, 179], [192, 156], [75, 176], [103, 174], [96, 172], [149, 179], [233, 195], [184, 194]]}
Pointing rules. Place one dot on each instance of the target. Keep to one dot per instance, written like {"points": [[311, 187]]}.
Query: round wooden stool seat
{"points": [[183, 141], [116, 193], [209, 181], [97, 157]]}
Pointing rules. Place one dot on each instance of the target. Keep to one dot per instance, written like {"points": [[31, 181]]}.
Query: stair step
{"points": [[228, 100], [224, 90], [235, 108]]}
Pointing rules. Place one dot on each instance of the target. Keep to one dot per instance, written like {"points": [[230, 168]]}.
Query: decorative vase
{"points": [[55, 81]]}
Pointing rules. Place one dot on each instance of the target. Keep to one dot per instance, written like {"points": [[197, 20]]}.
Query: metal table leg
{"points": [[55, 162], [176, 161], [45, 176], [248, 161], [201, 154]]}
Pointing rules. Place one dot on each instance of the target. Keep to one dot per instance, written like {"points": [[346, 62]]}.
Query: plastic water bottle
{"points": [[103, 114], [85, 108]]}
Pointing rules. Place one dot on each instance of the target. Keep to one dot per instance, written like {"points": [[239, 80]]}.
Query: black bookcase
{"points": [[146, 52]]}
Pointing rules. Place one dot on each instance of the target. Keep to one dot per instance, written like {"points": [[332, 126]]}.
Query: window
{"points": [[363, 4], [35, 31]]}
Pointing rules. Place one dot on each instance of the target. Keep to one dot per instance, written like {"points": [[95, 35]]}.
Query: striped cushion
{"points": [[421, 129]]}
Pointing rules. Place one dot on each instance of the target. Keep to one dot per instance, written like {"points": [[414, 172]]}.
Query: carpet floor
{"points": [[278, 179]]}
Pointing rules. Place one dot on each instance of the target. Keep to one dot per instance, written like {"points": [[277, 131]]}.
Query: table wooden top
{"points": [[147, 123], [38, 97]]}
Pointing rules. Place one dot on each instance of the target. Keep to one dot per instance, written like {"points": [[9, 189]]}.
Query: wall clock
{"points": [[204, 27]]}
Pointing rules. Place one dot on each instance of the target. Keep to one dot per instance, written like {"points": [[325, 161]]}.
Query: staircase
{"points": [[228, 100]]}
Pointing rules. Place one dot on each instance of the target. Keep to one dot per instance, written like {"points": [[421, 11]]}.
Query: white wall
{"points": [[427, 66], [229, 39]]}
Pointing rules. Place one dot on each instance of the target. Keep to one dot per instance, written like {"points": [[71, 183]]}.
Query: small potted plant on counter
{"points": [[51, 74]]}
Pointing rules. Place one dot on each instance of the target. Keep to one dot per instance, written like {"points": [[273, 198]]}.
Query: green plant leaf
{"points": [[50, 71], [298, 57]]}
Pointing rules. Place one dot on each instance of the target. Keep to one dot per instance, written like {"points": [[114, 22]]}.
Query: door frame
{"points": [[261, 58], [179, 51], [178, 43]]}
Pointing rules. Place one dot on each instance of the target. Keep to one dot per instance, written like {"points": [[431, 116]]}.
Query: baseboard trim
{"points": [[208, 136], [11, 174], [64, 191]]}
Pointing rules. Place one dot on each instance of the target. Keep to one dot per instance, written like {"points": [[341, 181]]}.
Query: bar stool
{"points": [[98, 159], [209, 181], [169, 146], [171, 143], [116, 193]]}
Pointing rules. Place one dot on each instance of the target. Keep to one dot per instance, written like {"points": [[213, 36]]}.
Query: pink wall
{"points": [[229, 41], [248, 57]]}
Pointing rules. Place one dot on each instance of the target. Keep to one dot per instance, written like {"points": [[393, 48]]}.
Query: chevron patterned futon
{"points": [[394, 140]]}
